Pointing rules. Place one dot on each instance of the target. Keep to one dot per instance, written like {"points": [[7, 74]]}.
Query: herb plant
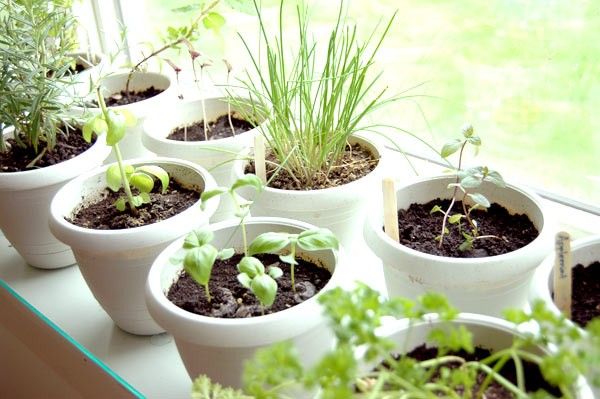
{"points": [[120, 175], [354, 318], [466, 180], [200, 256], [35, 42], [313, 107]]}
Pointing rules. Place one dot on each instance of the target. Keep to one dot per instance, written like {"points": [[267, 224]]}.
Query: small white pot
{"points": [[488, 332], [131, 145], [95, 65], [216, 156], [115, 263], [219, 347], [24, 211], [479, 285], [341, 209]]}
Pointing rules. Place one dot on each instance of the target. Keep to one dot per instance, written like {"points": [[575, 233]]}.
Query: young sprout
{"points": [[177, 72], [465, 180], [119, 175], [263, 285], [229, 69]]}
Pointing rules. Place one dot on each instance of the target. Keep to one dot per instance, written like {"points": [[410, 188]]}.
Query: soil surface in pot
{"points": [[122, 98], [67, 147], [585, 304], [231, 300], [356, 162], [217, 129], [103, 215], [419, 229], [533, 377]]}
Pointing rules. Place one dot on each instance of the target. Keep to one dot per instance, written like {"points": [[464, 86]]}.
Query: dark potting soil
{"points": [[217, 129], [534, 380], [103, 215], [419, 228], [356, 162], [123, 98], [585, 304], [67, 147], [231, 300]]}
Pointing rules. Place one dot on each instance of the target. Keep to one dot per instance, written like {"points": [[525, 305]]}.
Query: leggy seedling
{"points": [[114, 124], [465, 180]]}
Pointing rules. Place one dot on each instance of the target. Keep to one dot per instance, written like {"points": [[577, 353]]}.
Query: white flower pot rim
{"points": [[178, 313], [376, 224], [121, 233]]}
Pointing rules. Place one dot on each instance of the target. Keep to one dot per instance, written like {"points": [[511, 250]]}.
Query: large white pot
{"points": [[24, 210], [131, 145], [479, 285], [115, 263], [488, 332], [216, 156], [218, 347], [341, 209]]}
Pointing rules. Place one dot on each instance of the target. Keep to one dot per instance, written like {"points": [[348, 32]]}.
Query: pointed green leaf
{"points": [[226, 253], [275, 272], [265, 289], [289, 259], [436, 208], [251, 266], [467, 130], [86, 133], [214, 21], [244, 280], [495, 178], [198, 238], [317, 239], [248, 180], [113, 177], [142, 181], [455, 218], [136, 201], [145, 198], [474, 140], [157, 172], [470, 182], [268, 243], [120, 204], [206, 195], [199, 261], [465, 246], [99, 125], [480, 199], [116, 128], [451, 147]]}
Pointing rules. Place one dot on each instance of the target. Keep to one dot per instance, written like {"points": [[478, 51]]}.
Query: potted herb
{"points": [[425, 354], [118, 218], [483, 241], [43, 148], [223, 307], [318, 168]]}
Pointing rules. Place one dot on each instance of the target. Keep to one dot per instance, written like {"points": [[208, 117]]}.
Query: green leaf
{"points": [[113, 177], [213, 21], [251, 266], [186, 9], [471, 181], [206, 195], [145, 198], [226, 253], [157, 172], [99, 125], [248, 180], [317, 239], [116, 128], [204, 388], [86, 133], [199, 261], [495, 178], [265, 289], [244, 280], [466, 245], [268, 243], [455, 218], [136, 201], [451, 147], [474, 140], [467, 130], [436, 208], [198, 238], [275, 272], [479, 199], [289, 259], [120, 204], [142, 181], [244, 6]]}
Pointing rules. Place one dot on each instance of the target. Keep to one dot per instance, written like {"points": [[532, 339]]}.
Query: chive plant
{"points": [[313, 107]]}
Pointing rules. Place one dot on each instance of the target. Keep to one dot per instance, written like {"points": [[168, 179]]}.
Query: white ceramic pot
{"points": [[115, 263], [131, 145], [479, 285], [24, 210], [95, 65], [341, 209], [488, 332], [216, 156], [218, 347]]}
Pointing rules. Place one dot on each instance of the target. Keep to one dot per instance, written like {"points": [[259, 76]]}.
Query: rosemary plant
{"points": [[35, 42], [313, 102]]}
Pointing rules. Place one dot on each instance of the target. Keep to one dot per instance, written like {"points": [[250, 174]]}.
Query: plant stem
{"points": [[292, 266], [208, 297], [447, 213], [205, 122], [229, 110]]}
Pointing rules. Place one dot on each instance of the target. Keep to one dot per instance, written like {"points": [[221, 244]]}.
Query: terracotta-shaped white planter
{"points": [[24, 210], [341, 209], [216, 156], [480, 285], [115, 263], [131, 145], [218, 347], [488, 332]]}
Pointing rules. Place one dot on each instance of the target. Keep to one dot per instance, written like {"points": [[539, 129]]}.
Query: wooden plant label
{"points": [[390, 209], [259, 158], [563, 283]]}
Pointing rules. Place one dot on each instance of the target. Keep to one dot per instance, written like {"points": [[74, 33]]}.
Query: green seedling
{"points": [[114, 124], [229, 69], [465, 181]]}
